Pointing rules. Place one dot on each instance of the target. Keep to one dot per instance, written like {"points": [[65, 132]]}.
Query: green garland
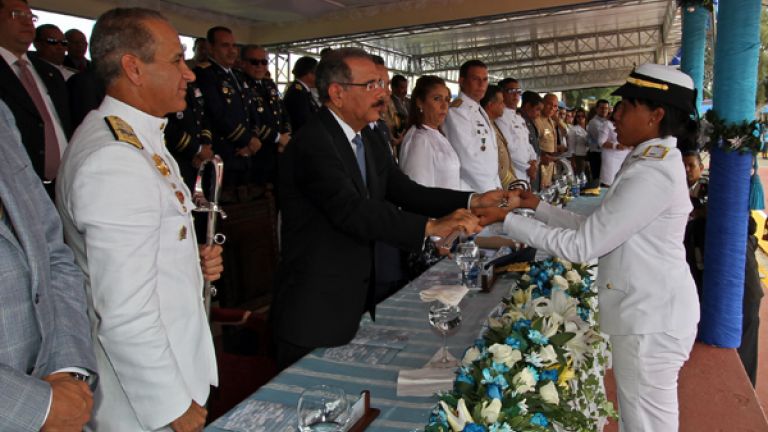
{"points": [[742, 137], [703, 3]]}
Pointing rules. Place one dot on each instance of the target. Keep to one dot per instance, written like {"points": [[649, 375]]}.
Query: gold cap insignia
{"points": [[183, 233], [161, 165], [123, 131]]}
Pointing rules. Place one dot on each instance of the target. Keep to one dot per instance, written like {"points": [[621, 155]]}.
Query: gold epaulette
{"points": [[657, 152], [456, 102], [123, 131]]}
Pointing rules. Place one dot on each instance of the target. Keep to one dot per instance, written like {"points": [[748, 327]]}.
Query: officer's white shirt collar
{"points": [[348, 131], [141, 122]]}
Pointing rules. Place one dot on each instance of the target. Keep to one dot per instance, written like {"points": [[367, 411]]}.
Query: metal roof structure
{"points": [[549, 45]]}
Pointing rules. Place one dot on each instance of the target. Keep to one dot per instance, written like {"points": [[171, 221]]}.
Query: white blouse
{"points": [[428, 158], [577, 140]]}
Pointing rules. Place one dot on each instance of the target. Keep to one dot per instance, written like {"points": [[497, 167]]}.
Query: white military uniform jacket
{"points": [[469, 131], [521, 153], [126, 215], [644, 283]]}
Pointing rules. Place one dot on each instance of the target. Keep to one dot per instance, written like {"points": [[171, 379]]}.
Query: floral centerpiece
{"points": [[539, 364]]}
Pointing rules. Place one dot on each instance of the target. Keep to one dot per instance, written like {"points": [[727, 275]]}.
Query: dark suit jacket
{"points": [[28, 120], [86, 93], [299, 104], [330, 221]]}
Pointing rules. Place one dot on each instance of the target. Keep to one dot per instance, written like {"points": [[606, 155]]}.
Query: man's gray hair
{"points": [[118, 32], [333, 68]]}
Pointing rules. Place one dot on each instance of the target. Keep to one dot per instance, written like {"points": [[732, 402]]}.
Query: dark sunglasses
{"points": [[513, 91], [256, 62], [52, 41]]}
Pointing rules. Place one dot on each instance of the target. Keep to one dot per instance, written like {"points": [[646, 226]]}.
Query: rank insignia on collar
{"points": [[656, 152], [183, 233], [161, 165], [123, 131]]}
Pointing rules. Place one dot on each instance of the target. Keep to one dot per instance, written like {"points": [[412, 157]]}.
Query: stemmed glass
{"points": [[466, 255], [444, 318], [323, 408]]}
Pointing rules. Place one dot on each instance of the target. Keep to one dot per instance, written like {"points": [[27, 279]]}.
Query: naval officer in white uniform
{"points": [[647, 297], [126, 215], [469, 130]]}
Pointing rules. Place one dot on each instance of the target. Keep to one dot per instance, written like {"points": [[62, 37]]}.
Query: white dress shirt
{"points": [[11, 59], [644, 284], [469, 131], [427, 158], [611, 159], [577, 140], [521, 153], [598, 132]]}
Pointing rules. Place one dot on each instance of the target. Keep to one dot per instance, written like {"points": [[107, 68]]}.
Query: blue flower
{"points": [[533, 271], [480, 344], [521, 324], [512, 341], [491, 378], [533, 372], [493, 391], [465, 379], [496, 427], [536, 337], [473, 427], [538, 419], [550, 374], [500, 367]]}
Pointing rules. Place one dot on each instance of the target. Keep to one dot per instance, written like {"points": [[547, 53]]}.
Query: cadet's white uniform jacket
{"points": [[126, 215], [521, 153], [469, 131], [644, 283]]}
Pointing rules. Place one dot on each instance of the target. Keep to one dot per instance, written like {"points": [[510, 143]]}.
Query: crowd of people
{"points": [[102, 319]]}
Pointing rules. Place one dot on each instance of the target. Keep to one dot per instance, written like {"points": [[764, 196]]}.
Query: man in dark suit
{"points": [[340, 192], [34, 91], [298, 99], [76, 49], [45, 340], [232, 114]]}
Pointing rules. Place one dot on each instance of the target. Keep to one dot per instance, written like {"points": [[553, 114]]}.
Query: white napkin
{"points": [[424, 382], [447, 294]]}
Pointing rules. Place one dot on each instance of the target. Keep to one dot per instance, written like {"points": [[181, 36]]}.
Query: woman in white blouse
{"points": [[426, 155], [613, 156], [577, 140]]}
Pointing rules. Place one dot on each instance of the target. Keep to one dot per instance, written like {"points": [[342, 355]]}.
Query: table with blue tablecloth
{"points": [[377, 368]]}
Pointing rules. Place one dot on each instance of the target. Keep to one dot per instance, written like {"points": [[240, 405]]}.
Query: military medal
{"points": [[482, 147], [161, 165], [183, 233], [180, 196]]}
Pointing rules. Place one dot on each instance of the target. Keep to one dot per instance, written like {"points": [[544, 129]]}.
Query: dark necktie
{"points": [[52, 152], [360, 155]]}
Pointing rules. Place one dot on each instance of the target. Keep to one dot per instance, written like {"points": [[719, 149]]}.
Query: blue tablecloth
{"points": [[404, 311]]}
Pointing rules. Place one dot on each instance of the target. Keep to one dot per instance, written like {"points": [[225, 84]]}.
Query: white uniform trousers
{"points": [[646, 368]]}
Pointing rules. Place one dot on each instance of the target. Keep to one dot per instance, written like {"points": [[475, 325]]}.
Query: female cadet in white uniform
{"points": [[647, 297]]}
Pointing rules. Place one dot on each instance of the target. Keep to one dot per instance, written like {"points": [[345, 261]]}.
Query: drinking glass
{"points": [[323, 408], [466, 255], [444, 318]]}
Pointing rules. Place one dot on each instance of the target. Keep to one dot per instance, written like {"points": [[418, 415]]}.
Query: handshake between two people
{"points": [[485, 209]]}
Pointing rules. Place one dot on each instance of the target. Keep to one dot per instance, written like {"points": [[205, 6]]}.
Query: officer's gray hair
{"points": [[118, 32], [333, 68]]}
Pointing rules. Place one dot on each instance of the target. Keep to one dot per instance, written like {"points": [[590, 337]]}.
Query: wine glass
{"points": [[466, 255], [323, 408], [444, 318]]}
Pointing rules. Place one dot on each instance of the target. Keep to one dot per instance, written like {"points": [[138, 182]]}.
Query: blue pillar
{"points": [[735, 86], [693, 44]]}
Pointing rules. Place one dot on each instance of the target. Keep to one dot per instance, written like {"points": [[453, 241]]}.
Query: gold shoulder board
{"points": [[456, 103], [123, 131], [299, 86], [658, 152]]}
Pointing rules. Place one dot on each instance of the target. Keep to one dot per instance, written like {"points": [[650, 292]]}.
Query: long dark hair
{"points": [[424, 85]]}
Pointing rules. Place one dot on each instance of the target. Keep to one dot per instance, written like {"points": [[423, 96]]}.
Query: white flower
{"points": [[559, 282], [550, 325], [580, 345], [523, 407], [567, 264], [470, 355], [549, 393], [524, 381], [460, 419], [503, 353], [490, 412], [572, 276], [548, 356]]}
